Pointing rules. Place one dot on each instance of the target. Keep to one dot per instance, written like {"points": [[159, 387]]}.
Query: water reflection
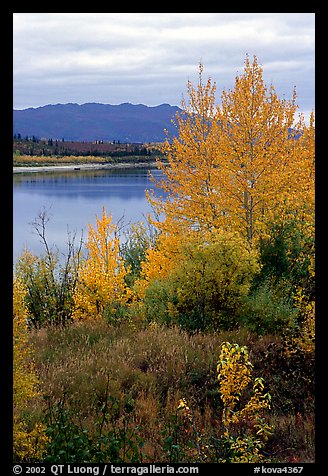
{"points": [[72, 200], [127, 184]]}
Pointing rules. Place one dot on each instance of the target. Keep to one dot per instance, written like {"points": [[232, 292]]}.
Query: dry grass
{"points": [[156, 361], [34, 160], [145, 372], [293, 439]]}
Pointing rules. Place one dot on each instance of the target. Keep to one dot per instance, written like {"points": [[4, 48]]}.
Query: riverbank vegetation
{"points": [[43, 161], [191, 340], [33, 152]]}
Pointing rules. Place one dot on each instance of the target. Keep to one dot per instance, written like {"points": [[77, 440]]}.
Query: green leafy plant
{"points": [[69, 442], [114, 439], [268, 309], [206, 284]]}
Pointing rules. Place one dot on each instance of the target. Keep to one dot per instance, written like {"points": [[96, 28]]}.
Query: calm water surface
{"points": [[73, 199]]}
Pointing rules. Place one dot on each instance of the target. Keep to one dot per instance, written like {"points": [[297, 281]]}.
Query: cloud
{"points": [[148, 57]]}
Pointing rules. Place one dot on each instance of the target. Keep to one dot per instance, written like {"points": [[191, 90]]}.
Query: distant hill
{"points": [[92, 121]]}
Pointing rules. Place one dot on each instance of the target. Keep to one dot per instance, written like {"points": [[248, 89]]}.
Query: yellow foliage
{"points": [[25, 379], [161, 259], [184, 408], [237, 165], [29, 443], [101, 275], [234, 376]]}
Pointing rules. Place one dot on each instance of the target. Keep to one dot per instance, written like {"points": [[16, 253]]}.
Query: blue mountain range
{"points": [[93, 121]]}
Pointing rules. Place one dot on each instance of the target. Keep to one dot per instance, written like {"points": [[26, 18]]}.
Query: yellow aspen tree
{"points": [[101, 283], [162, 258], [189, 183], [301, 199], [239, 164], [254, 143], [190, 180]]}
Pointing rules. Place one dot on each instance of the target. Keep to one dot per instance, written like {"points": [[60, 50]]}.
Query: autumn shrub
{"points": [[101, 283], [245, 427], [288, 363], [29, 436], [206, 284], [49, 281], [241, 431], [50, 287]]}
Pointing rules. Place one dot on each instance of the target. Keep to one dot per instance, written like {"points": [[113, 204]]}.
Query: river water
{"points": [[72, 200]]}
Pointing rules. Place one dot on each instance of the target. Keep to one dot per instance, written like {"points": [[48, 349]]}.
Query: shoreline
{"points": [[78, 167]]}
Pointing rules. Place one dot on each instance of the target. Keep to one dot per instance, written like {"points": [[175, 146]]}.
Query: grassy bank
{"points": [[124, 383], [41, 161]]}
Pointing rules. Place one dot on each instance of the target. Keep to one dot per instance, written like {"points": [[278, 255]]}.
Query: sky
{"points": [[148, 58]]}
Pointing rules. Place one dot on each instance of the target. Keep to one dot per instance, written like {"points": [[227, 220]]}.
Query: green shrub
{"points": [[268, 309], [113, 440], [207, 285], [286, 254]]}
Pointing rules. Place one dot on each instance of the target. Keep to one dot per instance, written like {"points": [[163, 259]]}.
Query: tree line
{"points": [[55, 147]]}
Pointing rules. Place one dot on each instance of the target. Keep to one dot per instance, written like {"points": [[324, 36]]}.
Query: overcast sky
{"points": [[148, 57]]}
